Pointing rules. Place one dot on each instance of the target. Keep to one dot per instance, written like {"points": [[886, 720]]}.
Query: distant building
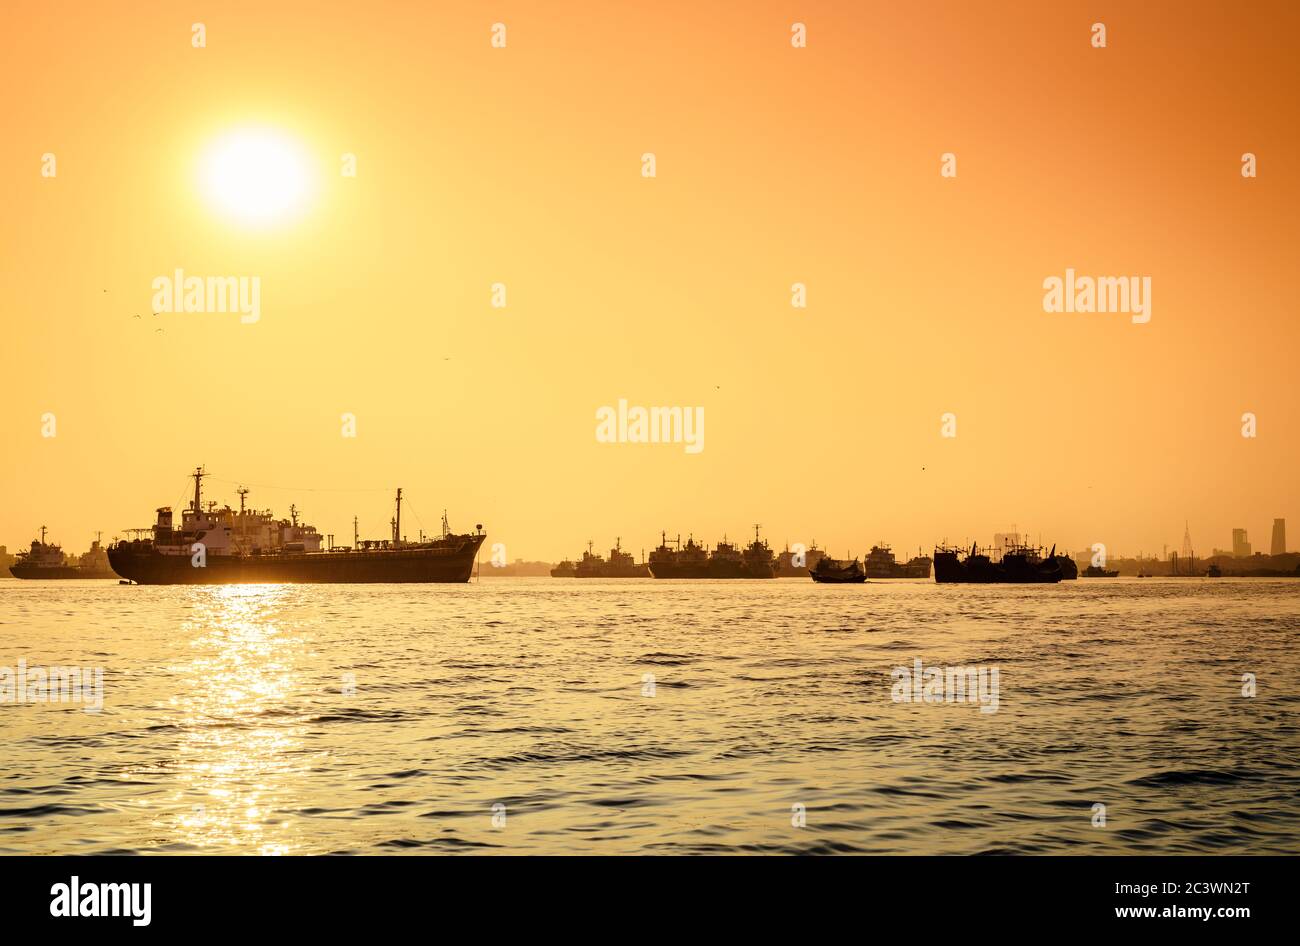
{"points": [[1279, 537], [1240, 547]]}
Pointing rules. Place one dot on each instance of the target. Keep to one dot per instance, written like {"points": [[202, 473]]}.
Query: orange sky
{"points": [[776, 165]]}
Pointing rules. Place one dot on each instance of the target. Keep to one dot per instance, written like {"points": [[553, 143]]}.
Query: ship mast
{"points": [[356, 536], [397, 521], [198, 475], [43, 533]]}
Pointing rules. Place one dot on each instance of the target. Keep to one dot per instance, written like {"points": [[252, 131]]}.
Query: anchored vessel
{"points": [[566, 569], [620, 565], [679, 561], [834, 571], [1096, 571], [1021, 564], [46, 560], [785, 562], [882, 564], [725, 561], [228, 546], [1069, 567]]}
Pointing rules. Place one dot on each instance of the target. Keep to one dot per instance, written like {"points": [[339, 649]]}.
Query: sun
{"points": [[256, 176]]}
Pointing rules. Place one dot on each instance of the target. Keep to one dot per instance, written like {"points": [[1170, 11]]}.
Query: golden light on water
{"points": [[241, 748]]}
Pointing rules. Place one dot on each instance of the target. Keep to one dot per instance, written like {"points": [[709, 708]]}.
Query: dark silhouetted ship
{"points": [[227, 546], [882, 564], [620, 564], [834, 571], [1069, 567], [1019, 564], [725, 561], [1096, 571], [566, 569], [679, 561], [46, 560]]}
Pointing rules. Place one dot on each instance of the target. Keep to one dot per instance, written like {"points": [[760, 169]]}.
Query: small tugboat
{"points": [[1214, 571], [566, 569], [834, 571]]}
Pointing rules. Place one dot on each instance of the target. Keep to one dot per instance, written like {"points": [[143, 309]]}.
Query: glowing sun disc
{"points": [[257, 176]]}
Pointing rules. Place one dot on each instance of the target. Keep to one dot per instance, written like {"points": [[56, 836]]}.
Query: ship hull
{"points": [[949, 570], [445, 565], [640, 571], [838, 577]]}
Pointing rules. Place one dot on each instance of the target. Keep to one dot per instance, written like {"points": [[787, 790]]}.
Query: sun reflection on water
{"points": [[240, 752]]}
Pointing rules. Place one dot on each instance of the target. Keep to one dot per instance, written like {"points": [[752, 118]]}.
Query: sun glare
{"points": [[256, 176]]}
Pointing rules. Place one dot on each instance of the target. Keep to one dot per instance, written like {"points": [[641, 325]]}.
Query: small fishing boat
{"points": [[834, 571]]}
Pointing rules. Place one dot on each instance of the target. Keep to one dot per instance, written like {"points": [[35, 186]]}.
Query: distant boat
{"points": [[1069, 567], [881, 563], [44, 561], [1214, 571], [620, 565], [725, 561], [566, 569], [786, 568], [1096, 571], [834, 571], [1020, 564]]}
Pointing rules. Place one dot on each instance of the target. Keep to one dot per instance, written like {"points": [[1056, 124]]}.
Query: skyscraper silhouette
{"points": [[1279, 537]]}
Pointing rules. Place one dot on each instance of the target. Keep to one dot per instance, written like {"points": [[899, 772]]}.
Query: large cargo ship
{"points": [[619, 565], [882, 564], [1019, 564], [46, 560], [725, 561], [247, 546], [677, 560]]}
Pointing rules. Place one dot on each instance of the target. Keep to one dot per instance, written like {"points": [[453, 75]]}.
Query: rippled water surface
{"points": [[369, 719]]}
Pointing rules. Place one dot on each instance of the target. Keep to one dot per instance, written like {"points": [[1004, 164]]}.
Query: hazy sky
{"points": [[775, 165]]}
